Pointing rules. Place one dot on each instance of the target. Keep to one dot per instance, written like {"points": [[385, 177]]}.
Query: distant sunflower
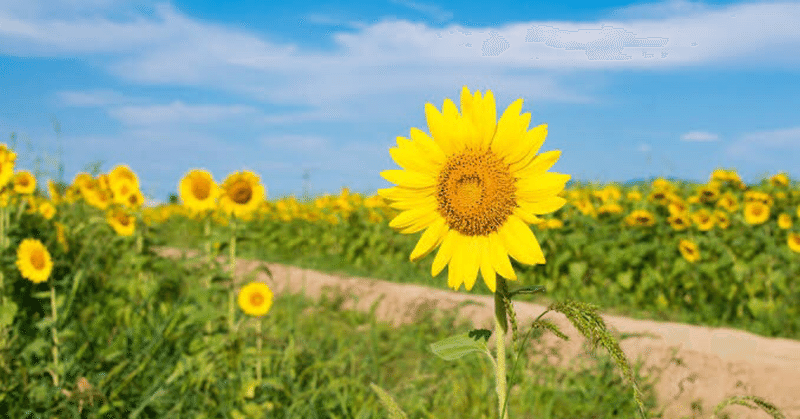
{"points": [[7, 159], [641, 218], [474, 185], [756, 212], [242, 193], [34, 261], [24, 182], [122, 222], [679, 221], [123, 172], [121, 189], [689, 250], [794, 242], [721, 219], [785, 221], [255, 299], [47, 210], [198, 191], [780, 180], [703, 219]]}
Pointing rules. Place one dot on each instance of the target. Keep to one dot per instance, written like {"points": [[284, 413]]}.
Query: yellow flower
{"points": [[689, 250], [474, 185], [24, 182], [609, 208], [47, 210], [123, 223], [709, 193], [135, 200], [679, 221], [794, 242], [756, 213], [554, 223], [123, 172], [33, 261], [779, 180], [255, 299], [633, 196], [198, 190], [640, 218], [52, 189], [785, 221], [721, 219], [728, 202], [703, 219], [121, 189], [677, 206], [242, 193], [61, 236], [7, 159]]}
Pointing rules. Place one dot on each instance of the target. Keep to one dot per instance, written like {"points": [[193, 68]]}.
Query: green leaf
{"points": [[41, 294], [625, 279], [389, 403], [457, 346], [7, 313], [480, 333], [577, 270]]}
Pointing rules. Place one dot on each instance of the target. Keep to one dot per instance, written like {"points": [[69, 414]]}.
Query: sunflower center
{"points": [[123, 220], [241, 192], [475, 193], [201, 189], [37, 259], [256, 299]]}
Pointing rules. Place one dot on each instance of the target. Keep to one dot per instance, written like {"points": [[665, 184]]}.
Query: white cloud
{"points": [[783, 140], [644, 148], [296, 142], [178, 113], [91, 98], [699, 136], [661, 10]]}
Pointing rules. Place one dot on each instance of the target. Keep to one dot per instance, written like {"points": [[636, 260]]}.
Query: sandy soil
{"points": [[715, 363]]}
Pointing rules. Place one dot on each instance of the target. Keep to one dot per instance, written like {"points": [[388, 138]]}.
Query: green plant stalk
{"points": [[231, 299], [501, 327], [55, 332], [258, 350], [207, 236]]}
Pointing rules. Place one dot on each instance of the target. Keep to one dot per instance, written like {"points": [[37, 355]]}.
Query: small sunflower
{"points": [[780, 180], [34, 261], [47, 210], [474, 185], [123, 172], [242, 193], [198, 191], [122, 222], [785, 221], [794, 242], [7, 159], [756, 212], [679, 221], [255, 299], [121, 189], [703, 219], [721, 219], [24, 182], [689, 250], [61, 236], [642, 218]]}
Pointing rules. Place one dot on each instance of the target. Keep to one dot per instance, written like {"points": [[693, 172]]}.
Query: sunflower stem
{"points": [[55, 332], [501, 327], [231, 311], [258, 350], [207, 235]]}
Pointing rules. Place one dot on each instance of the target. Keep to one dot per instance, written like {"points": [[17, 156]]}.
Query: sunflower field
{"points": [[94, 324]]}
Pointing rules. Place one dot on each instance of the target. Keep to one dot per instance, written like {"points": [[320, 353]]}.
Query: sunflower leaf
{"points": [[457, 346]]}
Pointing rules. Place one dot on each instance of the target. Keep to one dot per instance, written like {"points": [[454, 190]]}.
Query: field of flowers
{"points": [[94, 324]]}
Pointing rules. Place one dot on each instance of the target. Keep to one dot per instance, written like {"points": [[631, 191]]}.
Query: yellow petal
{"points": [[541, 187], [431, 238], [440, 129], [412, 216], [534, 139], [409, 179], [444, 254], [507, 141], [520, 241], [542, 163], [405, 194], [487, 271], [407, 157], [499, 257], [544, 206], [525, 215], [428, 201], [428, 147], [420, 223]]}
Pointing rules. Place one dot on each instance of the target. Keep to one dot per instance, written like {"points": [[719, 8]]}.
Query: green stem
{"points": [[258, 350], [55, 332], [231, 299], [207, 235], [501, 327]]}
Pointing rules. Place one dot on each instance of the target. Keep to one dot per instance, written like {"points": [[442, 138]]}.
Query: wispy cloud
{"points": [[91, 98], [432, 10], [783, 140], [295, 142], [178, 112], [699, 136]]}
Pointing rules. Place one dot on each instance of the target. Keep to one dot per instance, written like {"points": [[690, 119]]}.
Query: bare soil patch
{"points": [[715, 363]]}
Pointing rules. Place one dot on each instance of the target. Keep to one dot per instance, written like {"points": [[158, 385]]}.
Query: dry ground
{"points": [[715, 363]]}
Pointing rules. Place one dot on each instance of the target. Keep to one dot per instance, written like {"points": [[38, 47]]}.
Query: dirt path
{"points": [[716, 363]]}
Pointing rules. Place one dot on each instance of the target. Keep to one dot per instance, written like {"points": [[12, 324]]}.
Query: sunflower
{"points": [[123, 223], [709, 193], [794, 242], [24, 182], [61, 235], [679, 221], [689, 250], [609, 208], [255, 299], [33, 261], [121, 189], [47, 210], [7, 159], [122, 172], [475, 184], [198, 190], [785, 221], [721, 219], [242, 193], [703, 219], [642, 218], [756, 212], [780, 180], [633, 196], [728, 202]]}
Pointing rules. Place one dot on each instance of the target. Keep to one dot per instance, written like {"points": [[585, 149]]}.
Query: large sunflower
{"points": [[198, 190], [474, 184], [242, 193], [122, 222], [33, 261]]}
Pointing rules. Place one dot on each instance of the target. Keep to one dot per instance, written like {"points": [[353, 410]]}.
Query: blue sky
{"points": [[629, 90]]}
